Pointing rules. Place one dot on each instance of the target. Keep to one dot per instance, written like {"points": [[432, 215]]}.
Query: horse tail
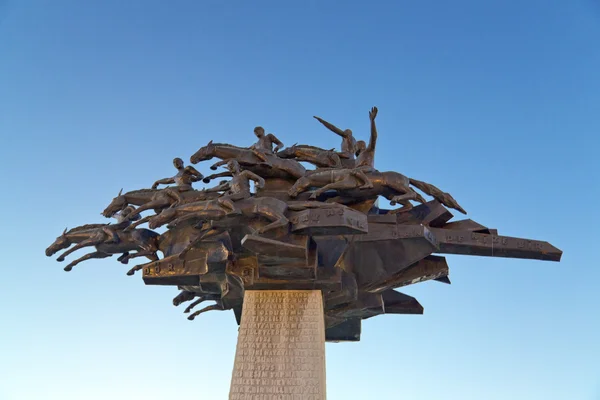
{"points": [[444, 198]]}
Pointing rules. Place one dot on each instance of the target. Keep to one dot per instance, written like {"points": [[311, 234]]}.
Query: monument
{"points": [[302, 259]]}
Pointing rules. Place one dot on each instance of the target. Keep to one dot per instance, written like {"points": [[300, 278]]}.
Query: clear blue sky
{"points": [[496, 102]]}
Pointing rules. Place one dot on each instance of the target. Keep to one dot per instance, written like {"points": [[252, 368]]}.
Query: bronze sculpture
{"points": [[317, 229]]}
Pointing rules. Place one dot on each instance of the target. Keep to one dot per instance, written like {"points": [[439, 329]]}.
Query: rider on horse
{"points": [[184, 178], [123, 221], [264, 146], [238, 188]]}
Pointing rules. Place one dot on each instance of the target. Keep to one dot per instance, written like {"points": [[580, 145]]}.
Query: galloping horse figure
{"points": [[315, 155], [280, 168], [270, 208], [153, 199], [144, 241], [391, 185]]}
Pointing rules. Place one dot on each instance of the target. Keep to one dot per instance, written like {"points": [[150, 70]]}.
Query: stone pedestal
{"points": [[280, 352]]}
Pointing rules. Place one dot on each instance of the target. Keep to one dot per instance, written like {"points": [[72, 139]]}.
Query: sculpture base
{"points": [[281, 347]]}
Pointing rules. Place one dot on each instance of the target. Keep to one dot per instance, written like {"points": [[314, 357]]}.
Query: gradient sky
{"points": [[496, 102]]}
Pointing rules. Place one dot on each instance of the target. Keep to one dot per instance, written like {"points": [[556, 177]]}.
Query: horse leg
{"points": [[151, 254], [279, 220], [96, 254], [208, 233], [137, 268], [406, 206], [183, 297], [300, 186], [160, 203], [194, 304], [138, 223], [93, 241], [346, 183], [218, 307], [122, 256]]}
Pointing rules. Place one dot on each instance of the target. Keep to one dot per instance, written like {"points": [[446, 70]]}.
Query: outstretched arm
{"points": [[215, 176], [278, 144], [165, 181], [218, 164], [331, 127], [194, 172], [219, 188], [373, 139], [260, 182]]}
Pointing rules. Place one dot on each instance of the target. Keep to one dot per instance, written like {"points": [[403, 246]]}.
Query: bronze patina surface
{"points": [[300, 229]]}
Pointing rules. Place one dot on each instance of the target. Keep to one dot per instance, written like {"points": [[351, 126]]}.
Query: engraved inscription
{"points": [[281, 347]]}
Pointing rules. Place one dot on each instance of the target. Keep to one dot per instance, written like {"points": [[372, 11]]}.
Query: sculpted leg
{"points": [[205, 309], [359, 174], [279, 220], [112, 235], [138, 223], [154, 204], [347, 183], [300, 186], [137, 268], [183, 297], [208, 233], [143, 253], [261, 156], [88, 242], [96, 254], [194, 304]]}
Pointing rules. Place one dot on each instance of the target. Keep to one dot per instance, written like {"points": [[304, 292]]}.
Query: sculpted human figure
{"points": [[123, 221], [264, 145], [238, 188], [348, 141], [184, 178], [365, 160]]}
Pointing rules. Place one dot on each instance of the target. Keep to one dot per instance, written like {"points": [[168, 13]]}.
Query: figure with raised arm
{"points": [[238, 188], [365, 161], [348, 141], [264, 145], [123, 221], [184, 178]]}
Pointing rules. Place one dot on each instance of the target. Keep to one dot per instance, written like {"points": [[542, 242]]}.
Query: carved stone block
{"points": [[281, 347]]}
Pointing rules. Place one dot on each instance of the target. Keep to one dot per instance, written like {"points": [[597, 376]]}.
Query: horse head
{"points": [[61, 242], [205, 153], [288, 152], [117, 204]]}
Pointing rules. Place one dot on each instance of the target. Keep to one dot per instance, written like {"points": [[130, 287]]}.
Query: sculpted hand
{"points": [[373, 113]]}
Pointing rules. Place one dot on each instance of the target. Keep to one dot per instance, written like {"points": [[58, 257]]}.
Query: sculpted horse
{"points": [[281, 168], [315, 155], [270, 208], [391, 185], [144, 241], [153, 199]]}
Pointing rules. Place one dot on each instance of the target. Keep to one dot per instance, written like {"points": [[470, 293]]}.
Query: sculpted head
{"points": [[117, 204], [203, 154], [360, 146], [259, 131], [61, 242], [233, 166], [178, 163]]}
